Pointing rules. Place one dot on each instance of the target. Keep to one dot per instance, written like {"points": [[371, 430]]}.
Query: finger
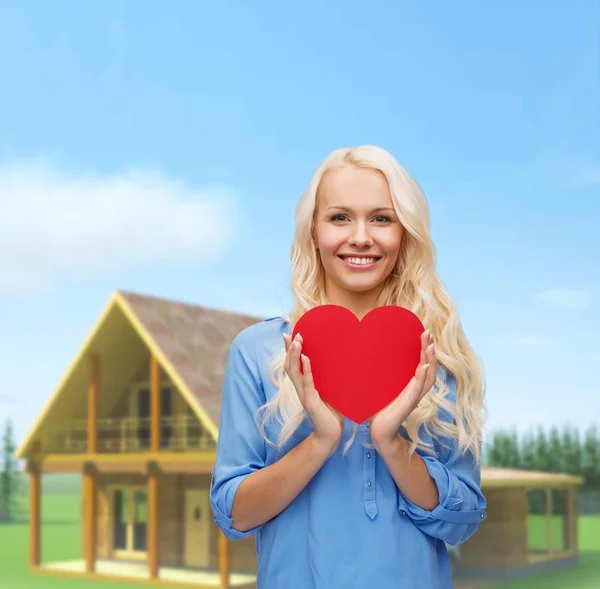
{"points": [[295, 352], [420, 379], [286, 340], [292, 360], [309, 382], [424, 343]]}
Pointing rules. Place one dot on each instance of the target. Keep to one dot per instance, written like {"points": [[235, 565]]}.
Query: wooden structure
{"points": [[531, 525], [137, 414]]}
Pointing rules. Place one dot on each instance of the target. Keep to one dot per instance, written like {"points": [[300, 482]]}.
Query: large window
{"points": [[144, 412], [548, 523], [130, 521]]}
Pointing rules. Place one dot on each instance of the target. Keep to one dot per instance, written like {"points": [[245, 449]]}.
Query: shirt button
{"points": [[403, 512], [369, 483], [368, 455]]}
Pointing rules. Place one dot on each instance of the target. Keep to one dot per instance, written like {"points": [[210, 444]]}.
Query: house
{"points": [[531, 525], [137, 415]]}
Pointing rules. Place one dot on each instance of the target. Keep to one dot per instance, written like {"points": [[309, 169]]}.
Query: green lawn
{"points": [[61, 540]]}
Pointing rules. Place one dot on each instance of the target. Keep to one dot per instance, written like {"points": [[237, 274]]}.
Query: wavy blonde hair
{"points": [[413, 284]]}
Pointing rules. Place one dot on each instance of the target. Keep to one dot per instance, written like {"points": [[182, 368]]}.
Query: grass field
{"points": [[61, 540]]}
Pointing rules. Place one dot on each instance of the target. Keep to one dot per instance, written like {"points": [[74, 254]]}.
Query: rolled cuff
{"points": [[459, 503]]}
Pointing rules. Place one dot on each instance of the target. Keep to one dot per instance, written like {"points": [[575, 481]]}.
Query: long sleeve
{"points": [[240, 449], [462, 505]]}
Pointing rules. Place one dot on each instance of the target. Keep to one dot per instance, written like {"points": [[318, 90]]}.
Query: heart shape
{"points": [[359, 367]]}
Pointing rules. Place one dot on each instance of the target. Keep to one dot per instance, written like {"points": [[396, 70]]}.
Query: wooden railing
{"points": [[132, 434]]}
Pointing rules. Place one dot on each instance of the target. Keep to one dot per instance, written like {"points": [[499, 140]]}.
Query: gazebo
{"points": [[531, 525]]}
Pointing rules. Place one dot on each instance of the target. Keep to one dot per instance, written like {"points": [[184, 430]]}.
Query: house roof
{"points": [[493, 477], [190, 341], [194, 342]]}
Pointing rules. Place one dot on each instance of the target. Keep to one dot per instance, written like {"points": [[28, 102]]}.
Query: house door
{"points": [[197, 527], [129, 510]]}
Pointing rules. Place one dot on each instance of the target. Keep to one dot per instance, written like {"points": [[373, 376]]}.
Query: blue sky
{"points": [[162, 149]]}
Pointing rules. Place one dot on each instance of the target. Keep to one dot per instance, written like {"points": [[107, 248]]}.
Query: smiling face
{"points": [[357, 233]]}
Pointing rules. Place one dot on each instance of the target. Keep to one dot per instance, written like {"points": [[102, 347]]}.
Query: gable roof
{"points": [[191, 343]]}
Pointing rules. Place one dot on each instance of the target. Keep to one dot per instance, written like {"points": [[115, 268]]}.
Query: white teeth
{"points": [[360, 261]]}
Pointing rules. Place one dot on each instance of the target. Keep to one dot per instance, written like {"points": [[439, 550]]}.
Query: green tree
{"points": [[528, 452], [542, 458], [591, 458], [9, 477], [571, 450], [556, 462]]}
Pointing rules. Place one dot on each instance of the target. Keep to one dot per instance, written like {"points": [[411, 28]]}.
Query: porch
{"points": [[123, 571]]}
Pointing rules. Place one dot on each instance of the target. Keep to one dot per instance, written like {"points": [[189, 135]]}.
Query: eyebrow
{"points": [[348, 209]]}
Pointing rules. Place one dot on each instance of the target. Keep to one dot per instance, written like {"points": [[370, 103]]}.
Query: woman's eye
{"points": [[383, 219], [338, 217]]}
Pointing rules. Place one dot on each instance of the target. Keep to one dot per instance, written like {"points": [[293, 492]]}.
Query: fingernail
{"points": [[426, 366]]}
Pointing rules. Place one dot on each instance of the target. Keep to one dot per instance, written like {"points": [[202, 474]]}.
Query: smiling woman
{"points": [[358, 235], [379, 513]]}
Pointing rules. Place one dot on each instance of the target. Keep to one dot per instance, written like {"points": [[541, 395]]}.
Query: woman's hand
{"points": [[386, 423], [328, 423]]}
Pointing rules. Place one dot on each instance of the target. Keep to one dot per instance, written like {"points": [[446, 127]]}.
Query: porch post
{"points": [[153, 474], [92, 437], [224, 560], [153, 521], [34, 513], [90, 516]]}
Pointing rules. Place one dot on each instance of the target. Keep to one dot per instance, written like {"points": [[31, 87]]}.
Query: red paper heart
{"points": [[359, 367]]}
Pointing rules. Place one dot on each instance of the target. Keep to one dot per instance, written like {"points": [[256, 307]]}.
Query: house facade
{"points": [[137, 414]]}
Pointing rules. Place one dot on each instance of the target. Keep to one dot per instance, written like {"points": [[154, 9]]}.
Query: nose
{"points": [[360, 235]]}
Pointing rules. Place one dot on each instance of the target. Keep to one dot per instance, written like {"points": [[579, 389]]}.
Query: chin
{"points": [[360, 286]]}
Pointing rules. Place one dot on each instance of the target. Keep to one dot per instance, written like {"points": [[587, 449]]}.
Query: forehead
{"points": [[354, 187]]}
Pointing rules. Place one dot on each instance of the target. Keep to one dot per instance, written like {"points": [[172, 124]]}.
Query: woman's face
{"points": [[356, 230]]}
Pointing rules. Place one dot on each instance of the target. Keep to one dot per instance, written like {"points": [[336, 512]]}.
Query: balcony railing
{"points": [[133, 434]]}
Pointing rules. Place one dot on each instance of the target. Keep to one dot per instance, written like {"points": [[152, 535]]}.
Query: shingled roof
{"points": [[195, 340], [190, 341]]}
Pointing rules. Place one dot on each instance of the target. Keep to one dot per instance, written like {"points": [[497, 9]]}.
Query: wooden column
{"points": [[35, 484], [153, 521], [90, 517], [224, 560], [153, 471], [155, 404], [549, 507], [571, 510], [92, 439]]}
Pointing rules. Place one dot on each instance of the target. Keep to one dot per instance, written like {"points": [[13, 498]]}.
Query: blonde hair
{"points": [[413, 284]]}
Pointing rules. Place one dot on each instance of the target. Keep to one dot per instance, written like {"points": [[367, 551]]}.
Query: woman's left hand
{"points": [[385, 424]]}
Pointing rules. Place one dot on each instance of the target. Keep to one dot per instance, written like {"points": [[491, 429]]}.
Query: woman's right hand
{"points": [[328, 422]]}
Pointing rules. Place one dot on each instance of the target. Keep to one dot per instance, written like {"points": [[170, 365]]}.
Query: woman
{"points": [[378, 513]]}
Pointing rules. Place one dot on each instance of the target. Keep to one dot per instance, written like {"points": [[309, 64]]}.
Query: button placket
{"points": [[369, 477]]}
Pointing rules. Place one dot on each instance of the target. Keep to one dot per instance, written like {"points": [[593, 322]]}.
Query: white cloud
{"points": [[56, 225], [563, 297]]}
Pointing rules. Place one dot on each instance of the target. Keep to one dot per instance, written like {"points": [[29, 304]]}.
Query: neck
{"points": [[360, 303]]}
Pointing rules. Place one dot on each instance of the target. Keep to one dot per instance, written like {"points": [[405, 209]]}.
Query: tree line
{"points": [[553, 449]]}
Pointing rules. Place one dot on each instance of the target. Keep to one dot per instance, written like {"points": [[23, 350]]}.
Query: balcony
{"points": [[132, 434]]}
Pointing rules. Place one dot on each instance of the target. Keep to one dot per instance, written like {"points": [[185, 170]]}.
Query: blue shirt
{"points": [[350, 527]]}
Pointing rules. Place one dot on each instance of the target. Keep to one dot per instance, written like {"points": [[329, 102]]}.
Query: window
{"points": [[144, 416], [130, 518], [548, 523]]}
